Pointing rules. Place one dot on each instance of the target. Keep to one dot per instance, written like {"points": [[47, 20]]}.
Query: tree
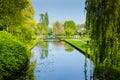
{"points": [[17, 18], [58, 28], [43, 24], [46, 18], [69, 32], [103, 20], [70, 26], [28, 26], [11, 12], [80, 29]]}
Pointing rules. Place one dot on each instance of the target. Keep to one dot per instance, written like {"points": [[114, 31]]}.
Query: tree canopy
{"points": [[13, 13], [103, 20], [58, 28], [43, 24], [70, 24], [69, 27]]}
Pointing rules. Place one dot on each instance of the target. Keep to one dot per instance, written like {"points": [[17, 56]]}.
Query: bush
{"points": [[6, 35], [13, 55]]}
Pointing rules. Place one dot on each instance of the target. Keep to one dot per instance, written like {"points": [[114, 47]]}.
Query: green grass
{"points": [[84, 38], [80, 44]]}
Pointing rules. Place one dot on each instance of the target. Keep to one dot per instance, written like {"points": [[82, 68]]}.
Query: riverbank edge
{"points": [[29, 67], [88, 55], [35, 42]]}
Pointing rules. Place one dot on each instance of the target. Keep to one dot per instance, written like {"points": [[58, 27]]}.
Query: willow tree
{"points": [[43, 24], [103, 20]]}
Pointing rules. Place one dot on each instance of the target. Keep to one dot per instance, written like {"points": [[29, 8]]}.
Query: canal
{"points": [[60, 61]]}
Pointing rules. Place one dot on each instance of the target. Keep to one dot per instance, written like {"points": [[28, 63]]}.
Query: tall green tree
{"points": [[43, 24], [11, 12], [28, 27], [70, 27], [46, 18], [103, 20], [16, 17]]}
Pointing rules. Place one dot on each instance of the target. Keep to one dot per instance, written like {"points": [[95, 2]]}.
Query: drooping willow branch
{"points": [[103, 22]]}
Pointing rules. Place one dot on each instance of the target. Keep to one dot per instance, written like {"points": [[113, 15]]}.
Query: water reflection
{"points": [[27, 73], [91, 70], [58, 43], [85, 68], [44, 53], [44, 49], [54, 62], [68, 48]]}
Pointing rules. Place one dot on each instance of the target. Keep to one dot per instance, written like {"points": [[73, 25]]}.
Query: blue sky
{"points": [[61, 10]]}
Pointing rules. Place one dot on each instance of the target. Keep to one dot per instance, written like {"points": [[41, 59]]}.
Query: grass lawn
{"points": [[84, 38], [80, 44]]}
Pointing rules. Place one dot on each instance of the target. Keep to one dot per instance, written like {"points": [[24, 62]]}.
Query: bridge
{"points": [[51, 38]]}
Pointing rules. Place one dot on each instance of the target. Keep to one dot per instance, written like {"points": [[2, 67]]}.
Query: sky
{"points": [[61, 10]]}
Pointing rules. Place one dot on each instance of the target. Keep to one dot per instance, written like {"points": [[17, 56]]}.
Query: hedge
{"points": [[13, 55]]}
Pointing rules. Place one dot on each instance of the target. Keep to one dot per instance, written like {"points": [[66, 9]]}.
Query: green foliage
{"points": [[103, 21], [13, 55], [43, 29], [43, 24], [70, 27], [80, 30], [17, 18], [6, 35], [70, 24], [69, 32], [11, 12], [27, 34], [47, 18], [102, 72]]}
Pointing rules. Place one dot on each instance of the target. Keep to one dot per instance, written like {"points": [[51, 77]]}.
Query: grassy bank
{"points": [[80, 44]]}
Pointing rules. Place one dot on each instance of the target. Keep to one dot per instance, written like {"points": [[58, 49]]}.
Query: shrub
{"points": [[6, 35], [13, 55]]}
